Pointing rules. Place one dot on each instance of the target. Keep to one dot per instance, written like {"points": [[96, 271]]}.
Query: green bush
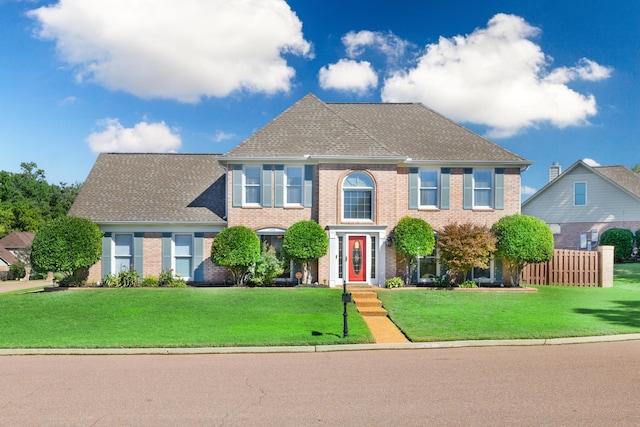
{"points": [[394, 282], [149, 282], [305, 241], [413, 237], [468, 284], [18, 270], [236, 248], [267, 268], [128, 279], [622, 241]]}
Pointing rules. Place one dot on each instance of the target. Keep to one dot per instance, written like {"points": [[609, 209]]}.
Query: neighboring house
{"points": [[582, 202], [12, 247], [354, 168]]}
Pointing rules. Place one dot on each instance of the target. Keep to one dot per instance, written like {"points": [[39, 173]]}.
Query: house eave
{"points": [[469, 163]]}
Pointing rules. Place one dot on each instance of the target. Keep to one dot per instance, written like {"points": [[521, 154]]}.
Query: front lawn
{"points": [[143, 317], [551, 312]]}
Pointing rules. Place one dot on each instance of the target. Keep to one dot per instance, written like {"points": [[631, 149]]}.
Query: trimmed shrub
{"points": [[413, 237], [394, 282], [468, 284], [622, 241], [305, 241], [236, 248]]}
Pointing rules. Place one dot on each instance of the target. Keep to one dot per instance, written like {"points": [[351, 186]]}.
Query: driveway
{"points": [[578, 385], [16, 285]]}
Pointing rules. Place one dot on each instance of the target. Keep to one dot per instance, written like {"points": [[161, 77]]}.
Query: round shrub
{"points": [[17, 270], [622, 241]]}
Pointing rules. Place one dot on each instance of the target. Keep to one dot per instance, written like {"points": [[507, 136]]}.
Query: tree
{"points": [[463, 247], [635, 168], [305, 241], [622, 241], [522, 240], [267, 268], [236, 248], [413, 238], [67, 244]]}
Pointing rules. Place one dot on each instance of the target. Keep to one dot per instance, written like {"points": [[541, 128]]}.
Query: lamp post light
{"points": [[346, 298]]}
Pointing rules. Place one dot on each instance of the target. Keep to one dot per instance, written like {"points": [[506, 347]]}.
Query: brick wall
{"points": [[569, 237]]}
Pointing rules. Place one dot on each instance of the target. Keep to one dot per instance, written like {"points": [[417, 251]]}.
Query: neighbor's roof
{"points": [[408, 131], [17, 240], [153, 188], [7, 256]]}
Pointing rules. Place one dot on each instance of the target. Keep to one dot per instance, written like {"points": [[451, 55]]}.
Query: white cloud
{"points": [[591, 162], [496, 76], [220, 136], [348, 75], [142, 138], [181, 49], [69, 100], [392, 46], [525, 190]]}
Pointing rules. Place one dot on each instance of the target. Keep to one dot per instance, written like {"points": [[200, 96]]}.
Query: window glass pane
{"points": [[183, 267], [482, 198], [123, 264], [252, 185], [427, 267], [124, 244], [359, 180], [340, 258], [482, 179], [428, 179], [252, 176], [481, 273], [294, 195], [183, 244], [357, 204], [580, 193], [373, 257], [253, 194], [428, 197]]}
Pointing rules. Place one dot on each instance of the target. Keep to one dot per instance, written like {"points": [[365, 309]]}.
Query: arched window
{"points": [[357, 197]]}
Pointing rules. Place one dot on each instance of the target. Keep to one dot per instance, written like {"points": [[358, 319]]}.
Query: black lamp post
{"points": [[346, 298]]}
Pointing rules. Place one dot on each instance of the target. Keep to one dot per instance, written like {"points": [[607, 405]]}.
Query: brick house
{"points": [[583, 201], [354, 168]]}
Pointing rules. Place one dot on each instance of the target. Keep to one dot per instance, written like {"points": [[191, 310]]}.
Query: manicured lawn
{"points": [[551, 312], [144, 317]]}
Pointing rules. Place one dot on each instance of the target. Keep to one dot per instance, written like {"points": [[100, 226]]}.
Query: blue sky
{"points": [[548, 80]]}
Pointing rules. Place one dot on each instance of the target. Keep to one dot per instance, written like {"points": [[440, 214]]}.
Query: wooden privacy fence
{"points": [[567, 267]]}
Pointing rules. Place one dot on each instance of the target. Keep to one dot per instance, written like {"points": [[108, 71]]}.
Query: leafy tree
{"points": [[463, 247], [305, 241], [635, 168], [66, 244], [267, 268], [412, 238], [622, 241], [522, 240], [236, 248]]}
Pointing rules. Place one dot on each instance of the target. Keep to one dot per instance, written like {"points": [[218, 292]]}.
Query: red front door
{"points": [[357, 258]]}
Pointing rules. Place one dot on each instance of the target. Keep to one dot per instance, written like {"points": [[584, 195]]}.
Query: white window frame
{"points": [[484, 279], [245, 185], [287, 186], [490, 189], [575, 193], [175, 256], [115, 256], [421, 187], [371, 189]]}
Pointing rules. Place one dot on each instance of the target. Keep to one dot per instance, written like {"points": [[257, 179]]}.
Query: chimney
{"points": [[554, 170]]}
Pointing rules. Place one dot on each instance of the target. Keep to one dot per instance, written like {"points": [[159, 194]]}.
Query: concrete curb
{"points": [[310, 348]]}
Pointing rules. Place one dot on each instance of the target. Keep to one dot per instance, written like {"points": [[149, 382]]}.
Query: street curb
{"points": [[311, 348]]}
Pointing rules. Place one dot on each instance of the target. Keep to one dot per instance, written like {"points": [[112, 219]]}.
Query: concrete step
{"points": [[372, 311], [367, 302]]}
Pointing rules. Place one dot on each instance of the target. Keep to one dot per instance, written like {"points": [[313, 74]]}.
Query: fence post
{"points": [[605, 261]]}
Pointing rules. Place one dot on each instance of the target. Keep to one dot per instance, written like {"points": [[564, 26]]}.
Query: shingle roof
{"points": [[622, 176], [7, 256], [153, 187], [352, 130], [17, 240]]}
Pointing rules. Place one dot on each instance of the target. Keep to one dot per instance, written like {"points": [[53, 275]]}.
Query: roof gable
{"points": [[17, 240], [153, 188], [311, 127]]}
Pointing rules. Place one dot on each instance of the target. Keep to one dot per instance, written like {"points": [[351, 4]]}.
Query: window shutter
{"points": [[266, 185], [106, 254], [445, 176], [279, 186], [166, 251], [499, 193], [308, 185], [413, 188], [468, 189], [236, 177], [138, 256], [198, 256]]}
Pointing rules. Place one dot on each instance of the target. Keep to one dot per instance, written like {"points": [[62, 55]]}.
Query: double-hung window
{"points": [[123, 252], [252, 185], [580, 193], [482, 188], [428, 188], [293, 185], [357, 197], [183, 255]]}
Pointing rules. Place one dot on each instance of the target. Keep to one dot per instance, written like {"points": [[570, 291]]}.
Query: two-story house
{"points": [[355, 168], [583, 201]]}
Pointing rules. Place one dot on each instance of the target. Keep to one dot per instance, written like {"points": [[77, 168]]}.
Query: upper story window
{"points": [[580, 193], [428, 188], [252, 185], [482, 188], [293, 187], [357, 197]]}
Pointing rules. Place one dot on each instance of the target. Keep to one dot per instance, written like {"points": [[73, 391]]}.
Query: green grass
{"points": [[551, 312], [143, 317]]}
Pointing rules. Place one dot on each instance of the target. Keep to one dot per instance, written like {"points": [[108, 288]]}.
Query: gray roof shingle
{"points": [[123, 187], [622, 176], [352, 130]]}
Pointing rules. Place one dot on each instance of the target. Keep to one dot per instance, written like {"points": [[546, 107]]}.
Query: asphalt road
{"points": [[569, 385]]}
